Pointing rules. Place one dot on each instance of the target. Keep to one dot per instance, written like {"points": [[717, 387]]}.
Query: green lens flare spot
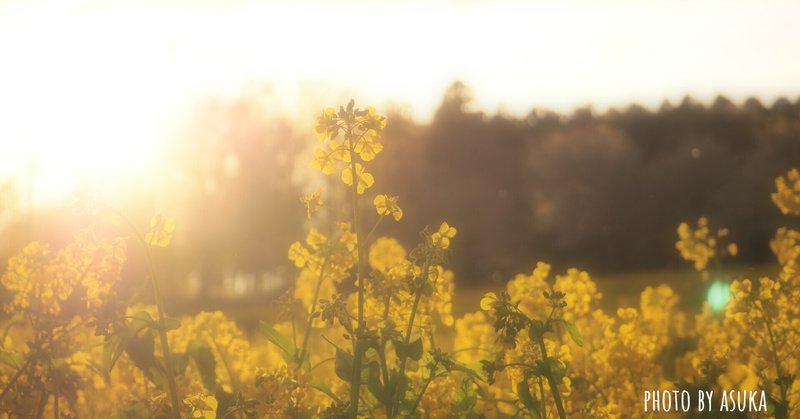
{"points": [[718, 295]]}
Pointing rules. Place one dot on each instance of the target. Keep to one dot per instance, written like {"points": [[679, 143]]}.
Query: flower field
{"points": [[368, 329]]}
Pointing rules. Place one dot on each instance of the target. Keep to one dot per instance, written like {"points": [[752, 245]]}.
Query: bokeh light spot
{"points": [[718, 295]]}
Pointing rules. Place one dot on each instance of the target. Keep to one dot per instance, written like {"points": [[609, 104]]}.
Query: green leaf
{"points": [[225, 401], [343, 365], [427, 289], [157, 376], [482, 393], [464, 399], [12, 359], [413, 350], [399, 347], [527, 399], [15, 319], [289, 350], [457, 366], [574, 333], [321, 386], [206, 364], [555, 367], [398, 384], [374, 382], [140, 350], [113, 347], [171, 323], [139, 321], [536, 329], [179, 362]]}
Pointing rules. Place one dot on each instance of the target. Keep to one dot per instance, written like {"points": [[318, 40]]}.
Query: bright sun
{"points": [[79, 110], [95, 137]]}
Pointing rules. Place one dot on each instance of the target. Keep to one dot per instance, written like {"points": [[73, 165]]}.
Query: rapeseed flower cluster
{"points": [[787, 195], [700, 246]]}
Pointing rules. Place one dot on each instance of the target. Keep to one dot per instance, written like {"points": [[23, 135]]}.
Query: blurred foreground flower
{"points": [[160, 234]]}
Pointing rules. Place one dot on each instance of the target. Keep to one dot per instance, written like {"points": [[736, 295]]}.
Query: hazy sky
{"points": [[92, 87]]}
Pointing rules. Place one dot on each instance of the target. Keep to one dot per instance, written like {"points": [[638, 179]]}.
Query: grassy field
{"points": [[623, 289], [619, 290]]}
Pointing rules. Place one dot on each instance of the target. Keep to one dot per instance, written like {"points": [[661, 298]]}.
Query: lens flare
{"points": [[718, 295]]}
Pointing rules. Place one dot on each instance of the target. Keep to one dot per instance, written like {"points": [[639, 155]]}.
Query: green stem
{"points": [[355, 383], [232, 413], [40, 345], [172, 387], [307, 333], [543, 413], [234, 379], [294, 332], [407, 338], [551, 379], [410, 327], [598, 390], [16, 376], [322, 362], [382, 354], [375, 227], [422, 392], [146, 387], [42, 404], [778, 369], [162, 331]]}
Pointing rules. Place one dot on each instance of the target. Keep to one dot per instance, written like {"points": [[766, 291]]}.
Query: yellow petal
{"points": [[488, 300]]}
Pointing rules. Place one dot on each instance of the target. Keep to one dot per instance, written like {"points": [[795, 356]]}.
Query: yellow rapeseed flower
{"points": [[160, 234], [368, 147], [326, 124], [365, 180], [313, 202], [786, 245], [387, 205], [323, 161], [696, 245], [488, 300], [442, 237], [299, 254], [203, 406], [787, 194], [732, 249], [386, 253]]}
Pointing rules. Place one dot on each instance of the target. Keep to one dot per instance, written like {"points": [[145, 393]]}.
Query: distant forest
{"points": [[603, 192]]}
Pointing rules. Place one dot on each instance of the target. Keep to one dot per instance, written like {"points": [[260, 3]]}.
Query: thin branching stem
{"points": [[16, 377], [307, 333], [407, 337], [553, 384], [355, 383], [424, 389], [162, 331], [777, 361], [543, 412]]}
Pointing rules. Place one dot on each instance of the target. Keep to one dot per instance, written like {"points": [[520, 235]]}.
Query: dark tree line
{"points": [[603, 192]]}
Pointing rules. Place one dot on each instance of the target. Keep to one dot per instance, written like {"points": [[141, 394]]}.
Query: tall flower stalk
{"points": [[360, 131]]}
